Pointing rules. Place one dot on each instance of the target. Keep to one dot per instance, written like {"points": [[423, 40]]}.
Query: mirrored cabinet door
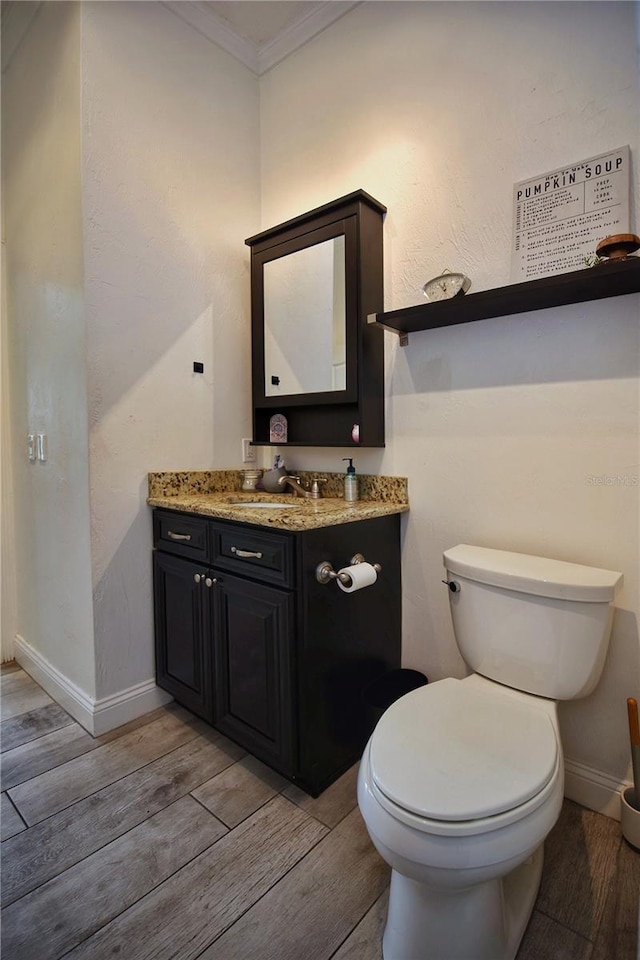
{"points": [[315, 359], [305, 347]]}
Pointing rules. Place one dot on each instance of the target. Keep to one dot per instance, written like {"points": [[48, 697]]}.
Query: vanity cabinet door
{"points": [[253, 695], [183, 632]]}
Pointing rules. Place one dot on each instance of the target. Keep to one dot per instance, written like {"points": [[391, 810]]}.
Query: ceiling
{"points": [[260, 33]]}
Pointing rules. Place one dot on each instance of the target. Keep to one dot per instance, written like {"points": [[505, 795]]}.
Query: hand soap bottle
{"points": [[350, 482]]}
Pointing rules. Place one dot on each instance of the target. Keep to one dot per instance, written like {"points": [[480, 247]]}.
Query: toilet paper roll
{"points": [[361, 575]]}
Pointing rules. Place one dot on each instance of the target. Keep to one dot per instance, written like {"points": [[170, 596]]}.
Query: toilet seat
{"points": [[450, 753]]}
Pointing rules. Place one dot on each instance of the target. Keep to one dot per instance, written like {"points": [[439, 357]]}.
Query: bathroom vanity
{"points": [[248, 638]]}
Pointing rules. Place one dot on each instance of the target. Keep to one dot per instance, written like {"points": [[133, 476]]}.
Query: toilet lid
{"points": [[451, 751]]}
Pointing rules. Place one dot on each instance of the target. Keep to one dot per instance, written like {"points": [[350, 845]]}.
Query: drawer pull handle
{"points": [[246, 554], [178, 536]]}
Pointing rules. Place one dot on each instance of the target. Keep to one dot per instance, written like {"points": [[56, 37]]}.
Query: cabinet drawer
{"points": [[181, 533], [261, 555]]}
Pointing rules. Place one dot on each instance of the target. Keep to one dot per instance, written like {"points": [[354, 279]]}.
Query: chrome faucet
{"points": [[313, 493]]}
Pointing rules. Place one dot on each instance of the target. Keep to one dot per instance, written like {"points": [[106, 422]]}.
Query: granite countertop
{"points": [[217, 493]]}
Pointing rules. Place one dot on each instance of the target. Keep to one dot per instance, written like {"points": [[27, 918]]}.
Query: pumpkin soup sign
{"points": [[559, 217]]}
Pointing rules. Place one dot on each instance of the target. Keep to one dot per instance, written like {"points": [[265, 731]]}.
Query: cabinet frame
{"points": [[316, 648], [327, 419]]}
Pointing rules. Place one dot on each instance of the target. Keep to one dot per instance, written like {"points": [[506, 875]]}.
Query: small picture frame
{"points": [[278, 428]]}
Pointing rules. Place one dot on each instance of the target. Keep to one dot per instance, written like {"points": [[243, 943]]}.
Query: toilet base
{"points": [[482, 922]]}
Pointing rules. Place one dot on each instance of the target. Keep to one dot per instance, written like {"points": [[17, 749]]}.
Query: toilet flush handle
{"points": [[453, 585]]}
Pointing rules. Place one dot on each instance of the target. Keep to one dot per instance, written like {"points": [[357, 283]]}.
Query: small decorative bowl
{"points": [[618, 247]]}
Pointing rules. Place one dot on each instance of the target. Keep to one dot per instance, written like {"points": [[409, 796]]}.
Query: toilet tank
{"points": [[531, 623]]}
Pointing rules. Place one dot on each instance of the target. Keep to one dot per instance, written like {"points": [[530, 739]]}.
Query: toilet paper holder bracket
{"points": [[325, 572]]}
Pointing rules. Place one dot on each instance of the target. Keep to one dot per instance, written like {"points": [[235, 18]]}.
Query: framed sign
{"points": [[560, 216]]}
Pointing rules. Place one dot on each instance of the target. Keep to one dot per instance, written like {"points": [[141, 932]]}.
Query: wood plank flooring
{"points": [[163, 840]]}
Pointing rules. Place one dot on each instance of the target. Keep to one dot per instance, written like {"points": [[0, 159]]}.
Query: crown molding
{"points": [[259, 58], [215, 28], [18, 16], [298, 33]]}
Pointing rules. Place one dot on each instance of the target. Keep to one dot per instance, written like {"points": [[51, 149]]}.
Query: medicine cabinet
{"points": [[315, 359]]}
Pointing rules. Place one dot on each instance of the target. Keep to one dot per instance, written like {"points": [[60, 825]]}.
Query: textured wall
{"points": [[437, 109], [46, 343], [170, 191]]}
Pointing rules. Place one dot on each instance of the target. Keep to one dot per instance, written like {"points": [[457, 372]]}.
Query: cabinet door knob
{"points": [[198, 578], [210, 581]]}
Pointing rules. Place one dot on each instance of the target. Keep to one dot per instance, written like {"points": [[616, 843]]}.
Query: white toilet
{"points": [[462, 780]]}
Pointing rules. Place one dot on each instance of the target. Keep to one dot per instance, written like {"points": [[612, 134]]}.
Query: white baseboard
{"points": [[111, 712], [592, 788], [96, 716]]}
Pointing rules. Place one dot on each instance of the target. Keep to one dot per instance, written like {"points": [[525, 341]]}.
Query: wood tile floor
{"points": [[164, 840]]}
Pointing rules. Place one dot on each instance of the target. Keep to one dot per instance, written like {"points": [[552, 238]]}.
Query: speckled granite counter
{"points": [[217, 493]]}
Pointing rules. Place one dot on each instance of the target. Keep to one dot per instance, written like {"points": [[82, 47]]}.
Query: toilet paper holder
{"points": [[325, 572]]}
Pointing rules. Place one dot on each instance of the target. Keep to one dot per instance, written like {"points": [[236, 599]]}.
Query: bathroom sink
{"points": [[266, 505]]}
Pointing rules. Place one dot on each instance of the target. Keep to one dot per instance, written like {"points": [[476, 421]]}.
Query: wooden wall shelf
{"points": [[613, 278]]}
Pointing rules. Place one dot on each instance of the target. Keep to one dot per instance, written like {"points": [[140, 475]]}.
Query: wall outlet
{"points": [[249, 453]]}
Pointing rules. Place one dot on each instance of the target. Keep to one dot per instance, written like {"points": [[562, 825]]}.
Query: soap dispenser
{"points": [[350, 482]]}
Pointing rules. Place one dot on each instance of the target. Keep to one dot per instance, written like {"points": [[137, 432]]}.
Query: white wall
{"points": [[45, 346], [131, 178], [437, 109], [170, 191]]}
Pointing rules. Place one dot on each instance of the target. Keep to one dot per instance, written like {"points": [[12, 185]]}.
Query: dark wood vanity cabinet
{"points": [[250, 641]]}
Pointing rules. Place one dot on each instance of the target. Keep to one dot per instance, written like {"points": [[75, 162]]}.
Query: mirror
{"points": [[305, 347], [304, 304], [315, 359]]}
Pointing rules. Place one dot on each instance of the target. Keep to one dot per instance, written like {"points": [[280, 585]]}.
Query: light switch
{"points": [[42, 446], [31, 446]]}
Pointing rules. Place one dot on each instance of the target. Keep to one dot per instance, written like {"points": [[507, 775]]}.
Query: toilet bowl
{"points": [[462, 780], [453, 816]]}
